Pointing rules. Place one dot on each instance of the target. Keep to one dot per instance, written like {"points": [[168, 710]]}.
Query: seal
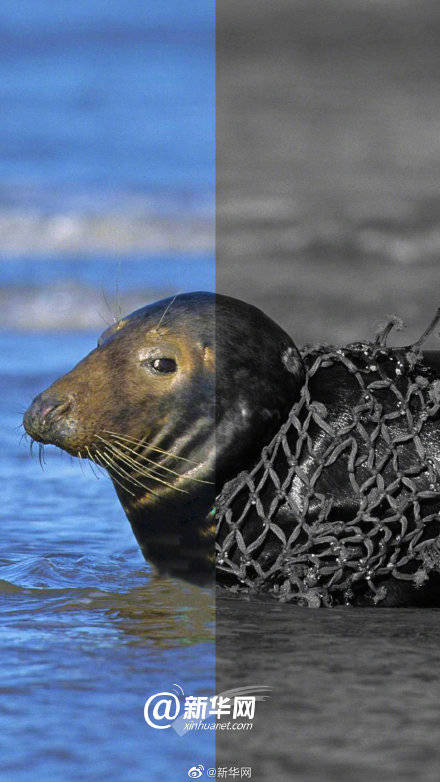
{"points": [[181, 397], [176, 399]]}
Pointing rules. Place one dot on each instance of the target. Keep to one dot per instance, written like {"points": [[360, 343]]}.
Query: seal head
{"points": [[176, 399]]}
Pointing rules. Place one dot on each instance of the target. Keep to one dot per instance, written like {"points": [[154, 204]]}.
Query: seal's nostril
{"points": [[44, 409], [47, 417], [51, 407]]}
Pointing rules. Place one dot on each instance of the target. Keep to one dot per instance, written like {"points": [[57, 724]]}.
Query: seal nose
{"points": [[44, 412]]}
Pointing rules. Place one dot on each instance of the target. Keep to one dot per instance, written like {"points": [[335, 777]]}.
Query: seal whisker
{"points": [[153, 448], [126, 474], [119, 454], [106, 456], [141, 470], [168, 307], [109, 307], [90, 461], [139, 454], [41, 458], [130, 462], [99, 455], [137, 463], [80, 457], [118, 292]]}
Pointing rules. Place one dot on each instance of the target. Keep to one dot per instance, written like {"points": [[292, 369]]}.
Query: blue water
{"points": [[106, 149], [86, 632], [62, 293], [107, 132], [105, 97], [188, 271]]}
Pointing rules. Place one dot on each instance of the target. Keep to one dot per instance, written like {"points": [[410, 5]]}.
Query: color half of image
{"points": [[106, 205]]}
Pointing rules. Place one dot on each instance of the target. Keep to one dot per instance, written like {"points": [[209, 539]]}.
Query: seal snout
{"points": [[45, 420]]}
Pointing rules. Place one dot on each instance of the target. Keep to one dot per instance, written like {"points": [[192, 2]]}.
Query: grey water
{"points": [[355, 692]]}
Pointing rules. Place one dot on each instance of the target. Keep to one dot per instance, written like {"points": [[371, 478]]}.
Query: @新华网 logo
{"points": [[196, 771], [162, 708], [231, 709]]}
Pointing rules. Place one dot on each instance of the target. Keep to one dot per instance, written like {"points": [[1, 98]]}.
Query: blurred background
{"points": [[328, 162], [106, 157]]}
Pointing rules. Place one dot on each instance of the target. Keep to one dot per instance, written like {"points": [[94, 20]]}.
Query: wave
{"points": [[73, 573], [405, 232], [247, 226], [25, 232]]}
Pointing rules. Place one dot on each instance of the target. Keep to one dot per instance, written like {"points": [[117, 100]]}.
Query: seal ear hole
{"points": [[162, 365]]}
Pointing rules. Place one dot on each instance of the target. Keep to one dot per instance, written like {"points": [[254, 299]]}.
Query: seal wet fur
{"points": [[181, 397], [175, 400], [344, 503]]}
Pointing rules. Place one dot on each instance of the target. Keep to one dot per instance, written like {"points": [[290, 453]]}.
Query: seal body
{"points": [[347, 496], [176, 399]]}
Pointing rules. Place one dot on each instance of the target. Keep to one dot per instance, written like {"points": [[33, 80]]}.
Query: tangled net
{"points": [[288, 529]]}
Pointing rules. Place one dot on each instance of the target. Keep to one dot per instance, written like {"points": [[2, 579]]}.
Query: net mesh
{"points": [[340, 500]]}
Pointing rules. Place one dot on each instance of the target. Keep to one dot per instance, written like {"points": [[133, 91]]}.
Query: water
{"points": [[107, 131], [355, 692], [103, 96], [89, 293], [87, 633], [328, 220], [328, 162], [106, 203]]}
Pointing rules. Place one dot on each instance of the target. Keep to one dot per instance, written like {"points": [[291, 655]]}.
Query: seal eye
{"points": [[164, 365]]}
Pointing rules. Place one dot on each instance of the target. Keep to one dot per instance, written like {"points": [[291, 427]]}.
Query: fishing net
{"points": [[340, 501]]}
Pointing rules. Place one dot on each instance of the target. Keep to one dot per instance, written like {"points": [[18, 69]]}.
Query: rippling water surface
{"points": [[356, 692]]}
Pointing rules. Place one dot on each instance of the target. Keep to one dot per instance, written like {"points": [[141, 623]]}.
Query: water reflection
{"points": [[158, 613], [161, 614]]}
